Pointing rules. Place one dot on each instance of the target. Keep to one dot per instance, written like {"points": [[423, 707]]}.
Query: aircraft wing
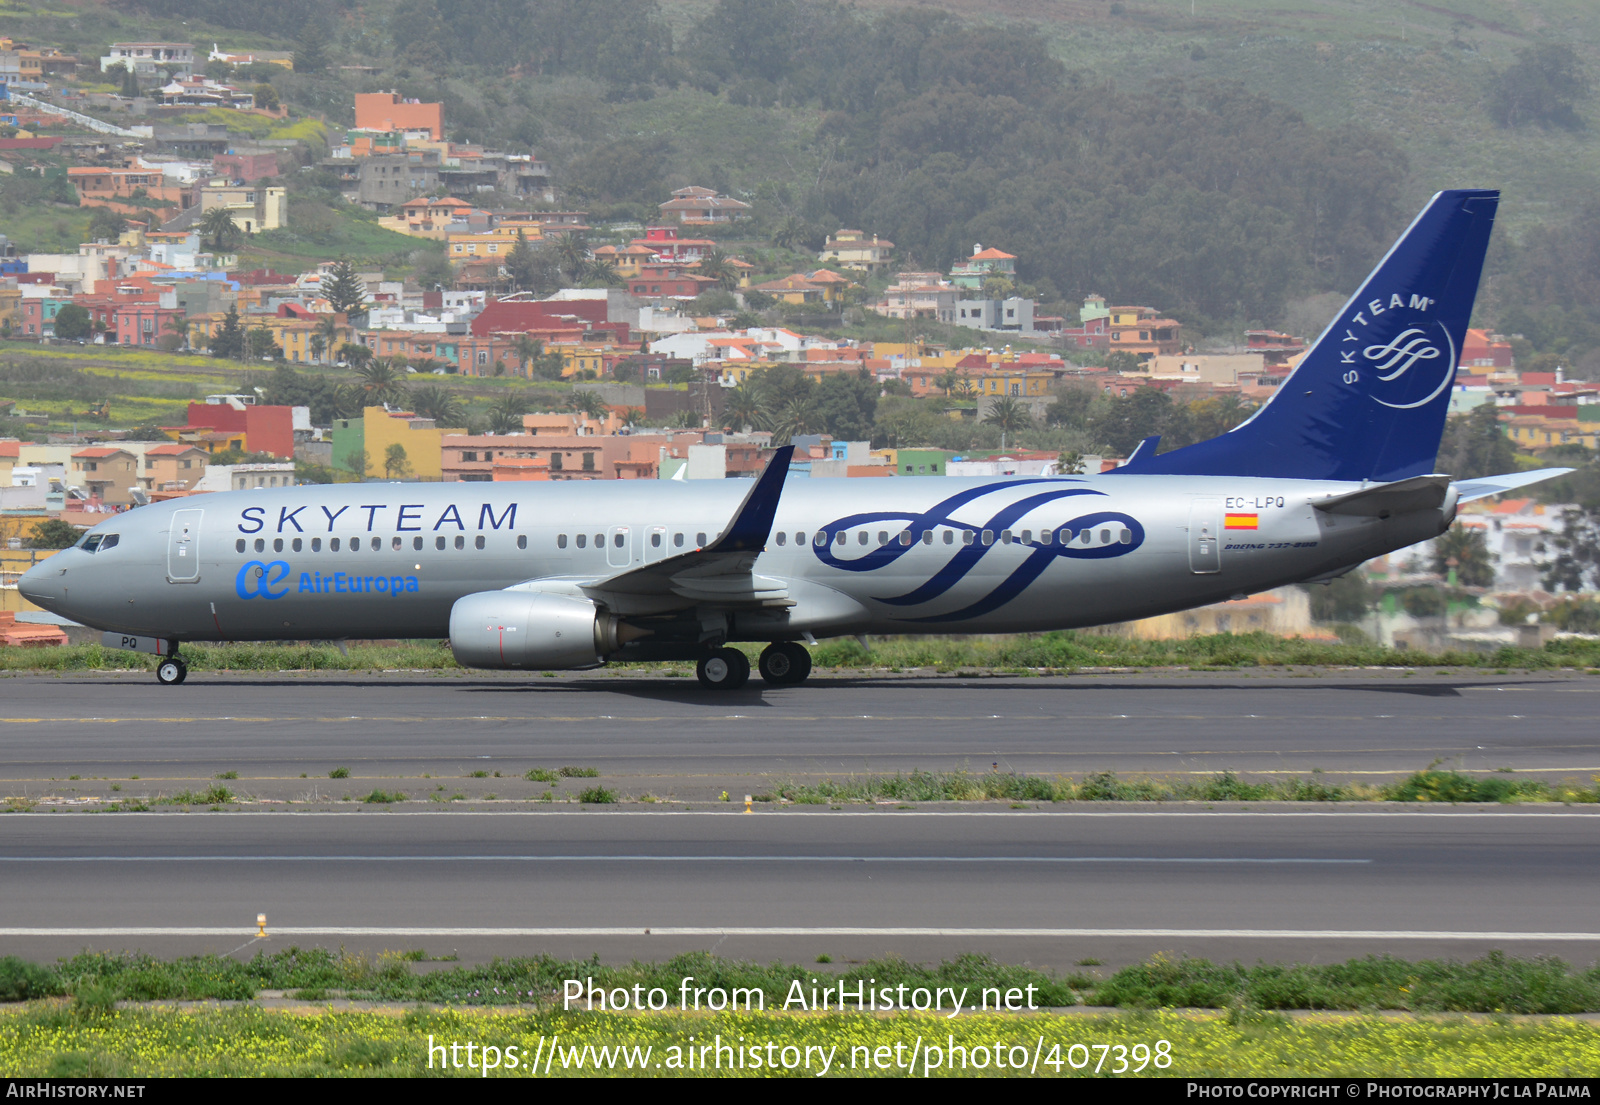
{"points": [[723, 572]]}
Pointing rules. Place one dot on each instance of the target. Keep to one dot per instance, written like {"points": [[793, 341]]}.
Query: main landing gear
{"points": [[785, 663], [726, 669], [171, 671]]}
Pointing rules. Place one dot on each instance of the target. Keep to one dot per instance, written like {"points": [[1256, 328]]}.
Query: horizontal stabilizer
{"points": [[1386, 499], [1494, 485]]}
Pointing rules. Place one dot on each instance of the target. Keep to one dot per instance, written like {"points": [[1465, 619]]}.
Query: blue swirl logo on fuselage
{"points": [[256, 578], [968, 555]]}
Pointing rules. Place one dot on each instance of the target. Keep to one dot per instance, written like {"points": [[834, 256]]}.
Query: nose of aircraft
{"points": [[40, 584]]}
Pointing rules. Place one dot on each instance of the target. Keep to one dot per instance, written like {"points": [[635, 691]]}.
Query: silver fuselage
{"points": [[262, 565]]}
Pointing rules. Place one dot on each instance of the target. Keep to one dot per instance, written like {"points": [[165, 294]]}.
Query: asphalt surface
{"points": [[1347, 722], [1048, 888]]}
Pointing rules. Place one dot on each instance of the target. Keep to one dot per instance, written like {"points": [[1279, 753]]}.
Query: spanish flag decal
{"points": [[1239, 521]]}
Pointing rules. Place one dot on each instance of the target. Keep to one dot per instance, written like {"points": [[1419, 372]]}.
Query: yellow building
{"points": [[578, 359], [998, 380], [11, 307], [421, 442], [493, 243]]}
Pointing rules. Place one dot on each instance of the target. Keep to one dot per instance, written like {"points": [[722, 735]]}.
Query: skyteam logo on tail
{"points": [[1089, 535], [1403, 368]]}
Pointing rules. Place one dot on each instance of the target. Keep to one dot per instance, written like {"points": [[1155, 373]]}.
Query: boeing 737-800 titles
{"points": [[1335, 469]]}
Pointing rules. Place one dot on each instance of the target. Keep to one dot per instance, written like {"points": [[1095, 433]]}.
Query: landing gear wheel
{"points": [[171, 671], [726, 669], [785, 663]]}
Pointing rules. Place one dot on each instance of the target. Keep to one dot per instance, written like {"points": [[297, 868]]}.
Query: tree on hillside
{"points": [[259, 345], [602, 274], [1543, 88], [228, 341], [587, 403], [343, 289], [72, 322], [105, 224], [53, 533], [218, 230], [381, 383], [1475, 446], [437, 403], [309, 56], [1008, 414], [742, 408], [715, 265], [505, 413], [528, 349], [1474, 563]]}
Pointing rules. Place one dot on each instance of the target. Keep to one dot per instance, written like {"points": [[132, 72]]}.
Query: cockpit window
{"points": [[98, 542]]}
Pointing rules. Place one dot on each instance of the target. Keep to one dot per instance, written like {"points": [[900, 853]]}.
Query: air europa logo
{"points": [[259, 579], [1065, 538]]}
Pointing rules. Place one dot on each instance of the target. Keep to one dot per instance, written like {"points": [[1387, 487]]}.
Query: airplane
{"points": [[1336, 468]]}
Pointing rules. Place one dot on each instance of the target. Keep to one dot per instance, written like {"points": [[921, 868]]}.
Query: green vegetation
{"points": [[1496, 983], [579, 772], [597, 796], [961, 786]]}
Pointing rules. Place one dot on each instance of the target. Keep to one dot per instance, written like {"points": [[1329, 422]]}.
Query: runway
{"points": [[406, 725], [1047, 885], [1047, 888]]}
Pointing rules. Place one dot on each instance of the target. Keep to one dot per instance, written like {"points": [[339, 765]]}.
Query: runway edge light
{"points": [[261, 924]]}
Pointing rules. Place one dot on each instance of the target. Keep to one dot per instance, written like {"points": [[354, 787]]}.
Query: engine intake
{"points": [[532, 631]]}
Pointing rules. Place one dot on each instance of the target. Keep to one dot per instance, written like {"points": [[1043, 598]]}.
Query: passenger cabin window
{"points": [[522, 540], [438, 542], [479, 541], [988, 537], [949, 537], [261, 545], [316, 544], [800, 537], [968, 537], [583, 540], [333, 544], [277, 544], [861, 537], [700, 540], [295, 544], [394, 544], [1126, 537], [841, 537], [820, 539], [238, 546], [561, 540], [782, 538], [416, 543], [599, 540], [927, 537], [461, 542], [377, 544], [883, 537], [655, 540], [1005, 537], [905, 537], [677, 541], [618, 539]]}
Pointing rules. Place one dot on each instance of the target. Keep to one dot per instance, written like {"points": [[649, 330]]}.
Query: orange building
{"points": [[385, 111]]}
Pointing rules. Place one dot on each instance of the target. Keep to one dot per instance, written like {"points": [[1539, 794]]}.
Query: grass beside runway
{"points": [[1023, 653], [63, 1039], [1493, 984]]}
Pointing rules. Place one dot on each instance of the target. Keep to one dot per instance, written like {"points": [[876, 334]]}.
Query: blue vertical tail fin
{"points": [[1368, 401]]}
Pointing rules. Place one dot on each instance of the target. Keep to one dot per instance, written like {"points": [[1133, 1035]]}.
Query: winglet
{"points": [[752, 524], [1141, 455]]}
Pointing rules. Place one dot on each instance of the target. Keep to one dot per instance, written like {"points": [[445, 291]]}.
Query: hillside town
{"points": [[653, 340]]}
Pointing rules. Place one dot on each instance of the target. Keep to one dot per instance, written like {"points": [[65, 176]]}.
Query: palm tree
{"points": [[715, 265], [505, 413], [328, 330], [528, 350], [574, 256], [1008, 413], [743, 408], [381, 382], [798, 417], [587, 403], [790, 232], [437, 403], [633, 416], [218, 229], [602, 274]]}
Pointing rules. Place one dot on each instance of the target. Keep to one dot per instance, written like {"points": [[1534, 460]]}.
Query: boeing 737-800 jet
{"points": [[1335, 469]]}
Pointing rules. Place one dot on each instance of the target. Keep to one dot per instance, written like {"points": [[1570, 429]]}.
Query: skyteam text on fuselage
{"points": [[1335, 469]]}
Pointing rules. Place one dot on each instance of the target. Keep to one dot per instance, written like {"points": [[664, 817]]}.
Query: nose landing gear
{"points": [[171, 671]]}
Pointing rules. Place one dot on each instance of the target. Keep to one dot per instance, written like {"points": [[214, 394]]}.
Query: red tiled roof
{"points": [[98, 451]]}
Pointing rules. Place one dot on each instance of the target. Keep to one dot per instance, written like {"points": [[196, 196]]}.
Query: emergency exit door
{"points": [[1205, 536]]}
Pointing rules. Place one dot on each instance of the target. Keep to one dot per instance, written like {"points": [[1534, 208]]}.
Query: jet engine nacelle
{"points": [[530, 630]]}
